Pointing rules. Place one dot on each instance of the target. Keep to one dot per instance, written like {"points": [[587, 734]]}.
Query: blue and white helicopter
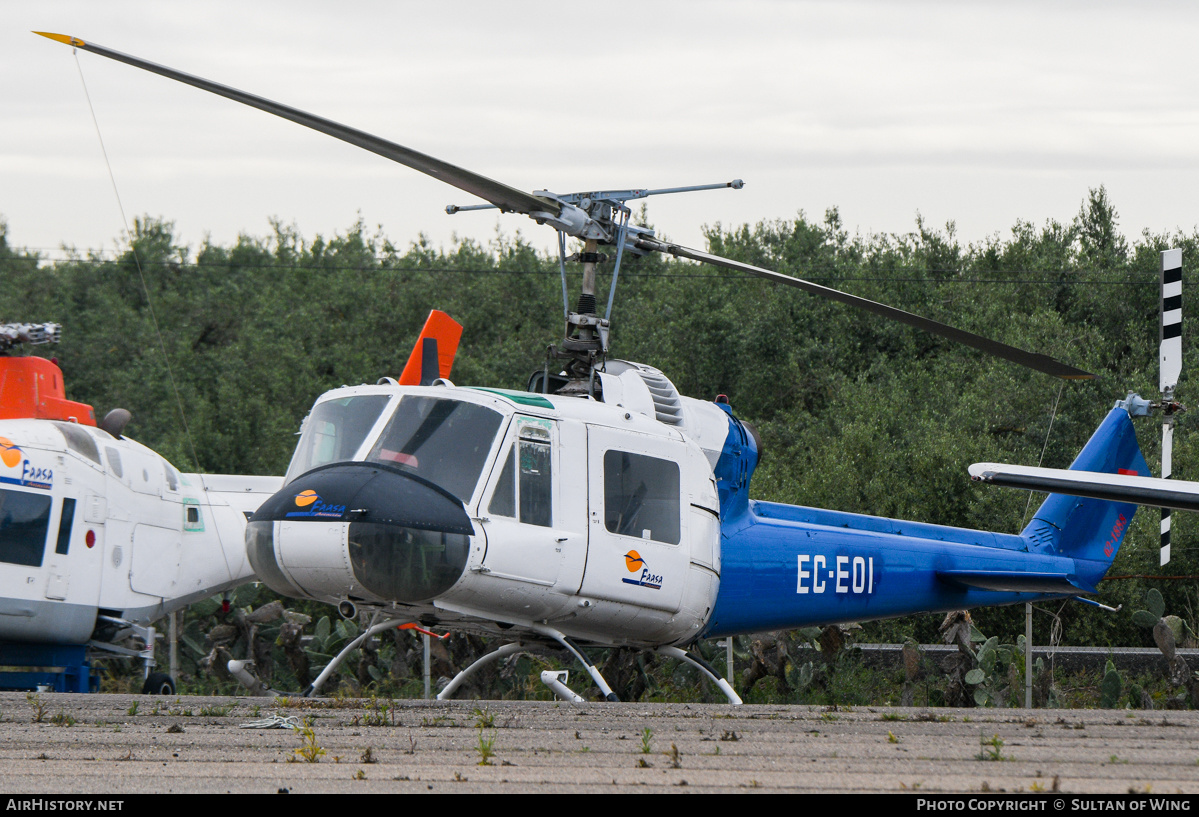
{"points": [[600, 507]]}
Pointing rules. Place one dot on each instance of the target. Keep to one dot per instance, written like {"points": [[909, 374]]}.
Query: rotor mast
{"points": [[597, 218]]}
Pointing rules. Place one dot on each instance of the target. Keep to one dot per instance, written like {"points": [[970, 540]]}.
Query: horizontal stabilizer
{"points": [[1164, 493], [1011, 582]]}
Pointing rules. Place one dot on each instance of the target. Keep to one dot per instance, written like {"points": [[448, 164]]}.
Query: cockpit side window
{"points": [[65, 520], [526, 480], [641, 497], [503, 501], [24, 522], [444, 441], [535, 484], [79, 441], [334, 431]]}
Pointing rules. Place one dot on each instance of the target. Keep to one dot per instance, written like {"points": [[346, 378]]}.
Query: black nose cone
{"points": [[367, 492], [407, 539]]}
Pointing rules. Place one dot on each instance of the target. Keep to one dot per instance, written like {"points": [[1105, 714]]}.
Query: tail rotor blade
{"points": [[1170, 359], [1169, 369], [1167, 456]]}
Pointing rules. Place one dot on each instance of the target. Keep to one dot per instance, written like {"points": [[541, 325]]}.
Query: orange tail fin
{"points": [[433, 355]]}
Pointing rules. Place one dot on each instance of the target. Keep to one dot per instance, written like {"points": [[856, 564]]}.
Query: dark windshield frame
{"points": [[445, 440], [351, 418]]}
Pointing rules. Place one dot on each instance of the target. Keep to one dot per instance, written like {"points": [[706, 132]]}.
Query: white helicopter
{"points": [[99, 535], [601, 507]]}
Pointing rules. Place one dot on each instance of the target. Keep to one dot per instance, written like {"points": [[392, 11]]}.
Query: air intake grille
{"points": [[668, 408]]}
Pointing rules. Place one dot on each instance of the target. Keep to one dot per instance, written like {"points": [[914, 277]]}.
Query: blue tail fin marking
{"points": [[1091, 529]]}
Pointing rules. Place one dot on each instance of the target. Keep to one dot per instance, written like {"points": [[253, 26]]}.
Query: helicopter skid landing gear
{"points": [[556, 681], [704, 667], [515, 647], [156, 683], [502, 652], [592, 670], [316, 685]]}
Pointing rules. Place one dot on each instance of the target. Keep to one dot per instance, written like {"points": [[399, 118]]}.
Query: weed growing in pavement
{"points": [[992, 749], [486, 747], [309, 751], [39, 706]]}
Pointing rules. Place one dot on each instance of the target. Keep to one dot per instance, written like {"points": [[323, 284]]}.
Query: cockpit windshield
{"points": [[444, 441], [334, 431]]}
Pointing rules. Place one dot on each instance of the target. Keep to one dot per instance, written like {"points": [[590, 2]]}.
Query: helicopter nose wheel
{"points": [[159, 683]]}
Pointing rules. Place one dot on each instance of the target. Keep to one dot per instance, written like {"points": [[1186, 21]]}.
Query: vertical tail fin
{"points": [[433, 355], [1084, 528]]}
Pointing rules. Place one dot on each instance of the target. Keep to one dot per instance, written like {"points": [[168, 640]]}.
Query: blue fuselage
{"points": [[785, 566]]}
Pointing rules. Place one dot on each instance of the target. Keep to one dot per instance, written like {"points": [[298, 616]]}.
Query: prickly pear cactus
{"points": [[1155, 609], [1110, 687], [990, 678]]}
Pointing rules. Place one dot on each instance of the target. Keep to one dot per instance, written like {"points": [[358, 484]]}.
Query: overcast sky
{"points": [[983, 113]]}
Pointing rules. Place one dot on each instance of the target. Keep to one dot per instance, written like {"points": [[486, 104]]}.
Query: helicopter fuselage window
{"points": [[503, 501], [114, 461], [193, 519], [24, 521], [443, 441], [65, 520], [79, 441], [334, 431], [641, 497], [534, 486]]}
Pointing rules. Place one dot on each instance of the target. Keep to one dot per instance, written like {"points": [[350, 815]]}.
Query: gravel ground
{"points": [[124, 744]]}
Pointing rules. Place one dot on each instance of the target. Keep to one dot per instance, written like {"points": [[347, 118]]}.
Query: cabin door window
{"points": [[24, 522]]}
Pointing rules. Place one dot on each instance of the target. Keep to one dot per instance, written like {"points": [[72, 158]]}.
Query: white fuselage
{"points": [[95, 525], [594, 518]]}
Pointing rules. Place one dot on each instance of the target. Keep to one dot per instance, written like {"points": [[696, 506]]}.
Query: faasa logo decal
{"points": [[31, 476], [634, 562], [10, 452], [311, 502]]}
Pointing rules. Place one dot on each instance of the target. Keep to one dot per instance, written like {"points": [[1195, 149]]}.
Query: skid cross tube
{"points": [[374, 629], [578, 653], [704, 667], [502, 652]]}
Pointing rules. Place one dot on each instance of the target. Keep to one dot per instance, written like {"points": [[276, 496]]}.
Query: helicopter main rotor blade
{"points": [[501, 195], [1041, 363]]}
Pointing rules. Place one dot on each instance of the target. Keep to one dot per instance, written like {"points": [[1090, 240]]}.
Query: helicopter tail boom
{"points": [[787, 566]]}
